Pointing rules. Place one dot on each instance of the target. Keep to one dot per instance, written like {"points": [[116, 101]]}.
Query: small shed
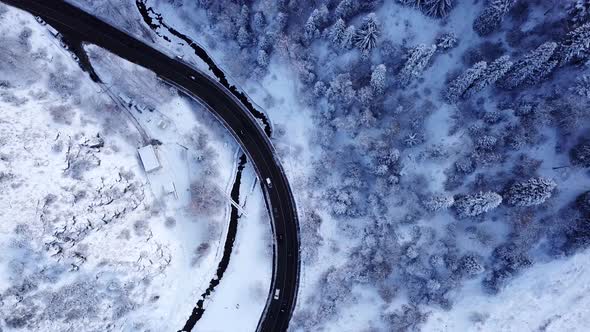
{"points": [[148, 157], [170, 188]]}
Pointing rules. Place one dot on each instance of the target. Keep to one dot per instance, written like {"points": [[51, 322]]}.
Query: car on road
{"points": [[277, 293], [268, 183], [63, 44], [40, 20]]}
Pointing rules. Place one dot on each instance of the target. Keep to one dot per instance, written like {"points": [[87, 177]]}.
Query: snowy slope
{"points": [[90, 240], [551, 296]]}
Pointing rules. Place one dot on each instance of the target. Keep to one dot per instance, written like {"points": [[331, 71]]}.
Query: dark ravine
{"points": [[145, 11], [232, 230]]}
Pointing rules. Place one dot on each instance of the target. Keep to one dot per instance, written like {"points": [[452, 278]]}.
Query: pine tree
{"points": [[532, 192], [319, 89], [341, 90], [243, 37], [262, 58], [576, 45], [314, 23], [491, 17], [580, 154], [474, 205], [367, 34], [583, 203], [378, 78], [244, 16], [438, 202], [365, 96], [470, 265], [463, 82], [438, 8], [532, 68], [582, 86], [414, 3], [417, 61], [579, 11], [346, 8], [258, 22], [491, 75], [447, 41], [348, 37], [336, 33]]}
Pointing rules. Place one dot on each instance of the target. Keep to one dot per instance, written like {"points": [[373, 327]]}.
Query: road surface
{"points": [[235, 117]]}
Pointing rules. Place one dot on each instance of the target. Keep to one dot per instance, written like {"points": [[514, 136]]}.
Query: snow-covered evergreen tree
{"points": [[493, 72], [470, 265], [580, 154], [437, 202], [244, 16], [576, 45], [582, 86], [415, 3], [319, 89], [579, 11], [341, 90], [262, 58], [258, 22], [486, 142], [243, 37], [474, 205], [336, 33], [491, 17], [532, 192], [367, 34], [365, 96], [583, 203], [532, 68], [314, 23], [459, 85], [417, 61], [347, 8], [447, 41], [348, 37], [378, 77], [437, 8], [367, 119]]}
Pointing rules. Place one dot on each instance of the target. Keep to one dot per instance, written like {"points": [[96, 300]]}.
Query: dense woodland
{"points": [[520, 84], [507, 186]]}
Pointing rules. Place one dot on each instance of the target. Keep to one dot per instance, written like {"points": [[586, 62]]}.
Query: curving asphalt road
{"points": [[235, 117]]}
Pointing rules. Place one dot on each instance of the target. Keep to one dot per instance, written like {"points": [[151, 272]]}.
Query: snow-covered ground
{"points": [[91, 241], [552, 296], [239, 299]]}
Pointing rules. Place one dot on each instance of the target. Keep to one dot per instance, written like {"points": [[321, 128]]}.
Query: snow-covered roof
{"points": [[148, 157]]}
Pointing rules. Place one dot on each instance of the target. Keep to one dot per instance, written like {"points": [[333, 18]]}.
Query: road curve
{"points": [[234, 116]]}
